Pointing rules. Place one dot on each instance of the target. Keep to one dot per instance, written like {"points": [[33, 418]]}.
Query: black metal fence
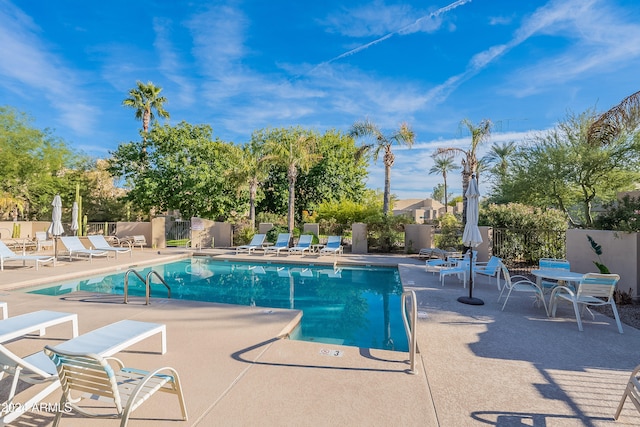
{"points": [[521, 249]]}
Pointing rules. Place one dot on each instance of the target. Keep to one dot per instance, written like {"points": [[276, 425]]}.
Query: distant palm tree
{"points": [[470, 161], [296, 153], [403, 136], [250, 171], [145, 98], [612, 123], [499, 156], [442, 165]]}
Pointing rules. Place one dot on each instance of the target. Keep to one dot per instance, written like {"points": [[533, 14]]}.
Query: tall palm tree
{"points": [[145, 98], [442, 165], [403, 136], [250, 171], [297, 152], [479, 134]]}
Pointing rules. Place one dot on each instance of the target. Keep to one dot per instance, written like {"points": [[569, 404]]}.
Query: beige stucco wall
{"points": [[619, 253], [142, 228], [359, 243], [416, 237]]}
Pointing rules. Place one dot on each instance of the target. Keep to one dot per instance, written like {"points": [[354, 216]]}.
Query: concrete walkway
{"points": [[477, 365]]}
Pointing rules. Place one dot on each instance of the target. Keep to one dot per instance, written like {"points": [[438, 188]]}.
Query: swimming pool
{"points": [[356, 306]]}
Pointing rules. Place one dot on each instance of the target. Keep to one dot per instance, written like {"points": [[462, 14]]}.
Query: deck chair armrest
{"points": [[562, 289], [115, 360], [519, 278], [173, 378]]}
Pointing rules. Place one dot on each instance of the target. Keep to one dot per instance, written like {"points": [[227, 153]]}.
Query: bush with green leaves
{"points": [[525, 233], [386, 232], [450, 235]]}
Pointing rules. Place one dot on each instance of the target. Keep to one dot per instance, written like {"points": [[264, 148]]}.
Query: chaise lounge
{"points": [[7, 254], [76, 248]]}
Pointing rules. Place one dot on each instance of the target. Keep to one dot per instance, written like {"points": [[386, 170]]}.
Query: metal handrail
{"points": [[410, 326], [148, 285], [126, 283]]}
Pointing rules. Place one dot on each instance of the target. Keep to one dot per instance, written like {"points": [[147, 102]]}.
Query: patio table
{"points": [[555, 274]]}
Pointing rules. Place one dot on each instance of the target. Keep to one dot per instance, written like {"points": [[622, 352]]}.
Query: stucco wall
{"points": [[416, 237], [619, 253]]}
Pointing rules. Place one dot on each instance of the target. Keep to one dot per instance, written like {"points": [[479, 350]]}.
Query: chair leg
{"points": [[576, 309], [631, 391], [615, 314], [506, 299]]}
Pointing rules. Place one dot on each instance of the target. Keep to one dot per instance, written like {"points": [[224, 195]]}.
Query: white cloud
{"points": [[28, 65]]}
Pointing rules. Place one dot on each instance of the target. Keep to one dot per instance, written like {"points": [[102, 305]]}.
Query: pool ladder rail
{"points": [[410, 326], [147, 283]]}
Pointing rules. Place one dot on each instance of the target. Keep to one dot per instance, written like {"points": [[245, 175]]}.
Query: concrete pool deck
{"points": [[477, 365]]}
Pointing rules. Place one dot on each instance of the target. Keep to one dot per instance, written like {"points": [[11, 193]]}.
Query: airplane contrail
{"points": [[438, 12]]}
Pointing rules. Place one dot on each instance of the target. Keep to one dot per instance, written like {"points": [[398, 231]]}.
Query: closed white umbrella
{"points": [[471, 236], [74, 218], [56, 229]]}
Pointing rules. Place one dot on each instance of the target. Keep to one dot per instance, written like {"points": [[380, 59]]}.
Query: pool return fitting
{"points": [[147, 283]]}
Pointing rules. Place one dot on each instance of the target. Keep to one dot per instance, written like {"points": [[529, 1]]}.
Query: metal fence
{"points": [[178, 230], [100, 227], [521, 249]]}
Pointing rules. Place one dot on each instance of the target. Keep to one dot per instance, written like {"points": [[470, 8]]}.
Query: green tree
{"points": [[479, 134], [442, 165], [294, 149], [187, 170], [145, 99], [382, 143], [562, 169], [249, 171]]}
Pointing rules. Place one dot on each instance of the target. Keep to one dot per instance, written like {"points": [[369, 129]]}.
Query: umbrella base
{"points": [[471, 301]]}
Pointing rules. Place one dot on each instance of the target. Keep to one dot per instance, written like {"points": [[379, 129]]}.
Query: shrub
{"points": [[623, 215], [450, 236]]}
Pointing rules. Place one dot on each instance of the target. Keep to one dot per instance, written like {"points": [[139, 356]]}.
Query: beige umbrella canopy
{"points": [[74, 218], [56, 229], [471, 236]]}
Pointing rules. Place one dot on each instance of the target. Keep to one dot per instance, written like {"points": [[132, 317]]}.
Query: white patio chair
{"points": [[42, 241], [552, 264], [460, 269], [632, 391], [520, 283], [490, 268], [593, 289], [91, 376]]}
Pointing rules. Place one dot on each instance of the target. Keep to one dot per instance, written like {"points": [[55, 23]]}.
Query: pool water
{"points": [[356, 306]]}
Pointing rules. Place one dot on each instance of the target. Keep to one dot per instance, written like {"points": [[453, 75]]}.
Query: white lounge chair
{"points": [[593, 289], [333, 246], [133, 241], [304, 244], [490, 268], [7, 254], [100, 243], [76, 248], [521, 284], [255, 243], [125, 388], [282, 243], [38, 368], [23, 324]]}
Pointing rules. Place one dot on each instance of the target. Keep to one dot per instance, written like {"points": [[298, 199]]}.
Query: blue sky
{"points": [[246, 65]]}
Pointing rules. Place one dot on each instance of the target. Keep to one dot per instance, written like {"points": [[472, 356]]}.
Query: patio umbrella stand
{"points": [[471, 236]]}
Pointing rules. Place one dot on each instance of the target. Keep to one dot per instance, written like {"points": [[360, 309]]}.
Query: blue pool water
{"points": [[357, 306]]}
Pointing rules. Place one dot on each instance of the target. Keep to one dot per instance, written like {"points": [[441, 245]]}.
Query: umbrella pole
{"points": [[470, 300]]}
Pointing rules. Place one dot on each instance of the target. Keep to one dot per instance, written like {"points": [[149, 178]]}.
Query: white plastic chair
{"points": [[490, 268], [552, 264], [100, 243], [7, 254], [76, 248], [91, 376], [593, 289], [333, 246], [632, 391], [304, 244], [520, 283]]}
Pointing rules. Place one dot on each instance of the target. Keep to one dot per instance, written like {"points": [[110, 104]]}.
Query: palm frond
{"points": [[612, 123]]}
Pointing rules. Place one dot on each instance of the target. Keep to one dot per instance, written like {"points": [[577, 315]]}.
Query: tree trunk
{"points": [[292, 175], [253, 191], [446, 198]]}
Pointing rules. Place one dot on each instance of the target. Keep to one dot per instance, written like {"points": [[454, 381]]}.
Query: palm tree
{"points": [[403, 136], [470, 161], [295, 151], [145, 98], [499, 156], [442, 165], [612, 123], [250, 171]]}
